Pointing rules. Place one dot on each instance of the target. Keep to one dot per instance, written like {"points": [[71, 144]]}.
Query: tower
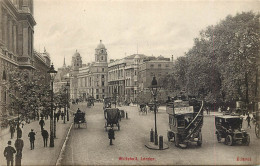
{"points": [[76, 62], [64, 64], [101, 53]]}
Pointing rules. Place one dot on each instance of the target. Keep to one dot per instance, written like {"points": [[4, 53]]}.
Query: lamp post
{"points": [[52, 73], [67, 88], [154, 88]]}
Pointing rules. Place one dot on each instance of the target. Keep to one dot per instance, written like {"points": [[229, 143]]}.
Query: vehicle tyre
{"points": [[257, 132], [199, 143], [247, 140], [176, 139], [218, 137], [229, 140]]}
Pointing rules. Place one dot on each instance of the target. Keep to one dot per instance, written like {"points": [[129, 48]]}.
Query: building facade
{"points": [[16, 42], [91, 79], [159, 67], [122, 77], [61, 78]]}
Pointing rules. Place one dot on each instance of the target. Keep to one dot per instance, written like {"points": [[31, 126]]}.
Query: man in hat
{"points": [[45, 136], [111, 135], [9, 154], [41, 123], [32, 138], [19, 148]]}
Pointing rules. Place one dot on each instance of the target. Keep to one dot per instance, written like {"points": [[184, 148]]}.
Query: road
{"points": [[90, 146]]}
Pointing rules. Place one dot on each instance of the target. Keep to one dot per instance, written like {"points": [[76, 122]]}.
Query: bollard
{"points": [[151, 136], [126, 114], [160, 142]]}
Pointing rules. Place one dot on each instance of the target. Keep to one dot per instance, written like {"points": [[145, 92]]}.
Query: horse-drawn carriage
{"points": [[90, 101], [112, 116], [79, 119], [142, 108], [185, 121], [107, 103]]}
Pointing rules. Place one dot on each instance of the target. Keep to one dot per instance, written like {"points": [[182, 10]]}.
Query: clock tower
{"points": [[101, 53]]}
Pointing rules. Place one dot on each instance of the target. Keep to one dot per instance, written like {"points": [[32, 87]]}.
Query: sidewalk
{"points": [[40, 155]]}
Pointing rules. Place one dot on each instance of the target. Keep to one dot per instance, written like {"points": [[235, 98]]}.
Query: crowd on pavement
{"points": [[16, 139]]}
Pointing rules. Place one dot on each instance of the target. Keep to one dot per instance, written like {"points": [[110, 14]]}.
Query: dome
{"points": [[137, 57], [101, 45], [76, 54]]}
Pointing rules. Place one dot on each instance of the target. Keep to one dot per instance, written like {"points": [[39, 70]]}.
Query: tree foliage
{"points": [[221, 65]]}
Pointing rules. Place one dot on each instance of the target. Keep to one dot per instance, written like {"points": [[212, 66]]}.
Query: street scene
{"points": [[129, 82]]}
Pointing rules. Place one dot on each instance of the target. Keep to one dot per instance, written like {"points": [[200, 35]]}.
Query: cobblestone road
{"points": [[91, 145]]}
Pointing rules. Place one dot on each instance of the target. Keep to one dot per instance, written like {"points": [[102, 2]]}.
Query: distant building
{"points": [[159, 67], [91, 79], [122, 77], [61, 78]]}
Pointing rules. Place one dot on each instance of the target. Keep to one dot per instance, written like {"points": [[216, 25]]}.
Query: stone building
{"points": [[92, 78], [152, 66], [16, 41], [122, 77]]}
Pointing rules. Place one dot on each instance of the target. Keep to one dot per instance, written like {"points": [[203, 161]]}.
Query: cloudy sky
{"points": [[151, 27]]}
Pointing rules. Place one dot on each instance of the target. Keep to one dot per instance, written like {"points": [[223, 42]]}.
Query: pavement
{"points": [[40, 155]]}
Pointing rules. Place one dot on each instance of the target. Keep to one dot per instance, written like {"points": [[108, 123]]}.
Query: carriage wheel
{"points": [[257, 132], [229, 140]]}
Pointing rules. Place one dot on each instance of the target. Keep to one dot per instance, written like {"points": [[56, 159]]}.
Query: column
{"points": [[25, 40], [10, 31], [15, 39], [5, 30]]}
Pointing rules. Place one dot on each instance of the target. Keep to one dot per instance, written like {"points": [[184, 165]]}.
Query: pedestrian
{"points": [[12, 130], [62, 115], [19, 148], [19, 145], [19, 131], [41, 123], [9, 154], [111, 135], [248, 121], [58, 116], [32, 138], [45, 136]]}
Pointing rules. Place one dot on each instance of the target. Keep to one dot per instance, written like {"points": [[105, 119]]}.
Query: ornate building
{"points": [[92, 78], [122, 77], [16, 41]]}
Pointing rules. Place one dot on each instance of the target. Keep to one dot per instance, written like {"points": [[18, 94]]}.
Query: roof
{"points": [[228, 116], [134, 55], [101, 45]]}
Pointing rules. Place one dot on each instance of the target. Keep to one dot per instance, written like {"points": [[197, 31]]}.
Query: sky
{"points": [[126, 27]]}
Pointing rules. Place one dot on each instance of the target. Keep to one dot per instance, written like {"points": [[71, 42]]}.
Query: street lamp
{"points": [[154, 88], [52, 73], [67, 88]]}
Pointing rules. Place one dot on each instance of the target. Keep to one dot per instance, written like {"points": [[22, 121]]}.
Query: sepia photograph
{"points": [[129, 82]]}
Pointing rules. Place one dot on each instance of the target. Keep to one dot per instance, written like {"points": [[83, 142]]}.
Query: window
{"points": [[167, 65], [135, 72], [102, 58], [151, 65], [97, 91], [102, 76], [103, 90], [103, 69], [159, 65], [103, 83], [135, 91]]}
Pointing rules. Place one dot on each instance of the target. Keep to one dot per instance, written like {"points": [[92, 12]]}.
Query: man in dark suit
{"points": [[45, 136], [9, 154], [111, 135], [32, 138]]}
